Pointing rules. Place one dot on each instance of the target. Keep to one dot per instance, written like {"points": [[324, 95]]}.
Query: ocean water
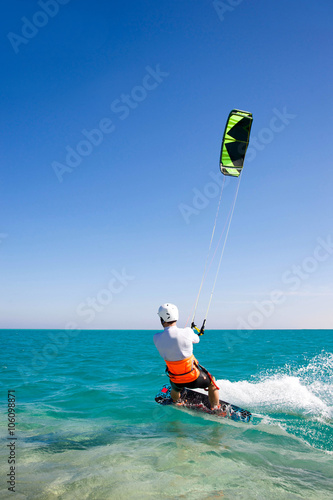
{"points": [[87, 426]]}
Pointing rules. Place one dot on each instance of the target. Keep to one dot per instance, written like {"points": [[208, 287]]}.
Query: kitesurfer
{"points": [[175, 345]]}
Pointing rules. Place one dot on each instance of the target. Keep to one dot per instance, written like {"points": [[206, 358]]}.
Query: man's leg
{"points": [[175, 395], [213, 395]]}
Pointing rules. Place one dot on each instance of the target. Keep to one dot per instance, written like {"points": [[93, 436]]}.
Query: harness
{"points": [[183, 371], [186, 370]]}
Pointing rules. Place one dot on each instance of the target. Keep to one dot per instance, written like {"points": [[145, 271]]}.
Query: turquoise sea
{"points": [[87, 426]]}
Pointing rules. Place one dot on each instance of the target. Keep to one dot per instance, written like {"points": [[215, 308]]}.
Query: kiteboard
{"points": [[200, 402]]}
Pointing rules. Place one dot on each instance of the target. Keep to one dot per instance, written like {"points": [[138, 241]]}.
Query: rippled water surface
{"points": [[87, 425]]}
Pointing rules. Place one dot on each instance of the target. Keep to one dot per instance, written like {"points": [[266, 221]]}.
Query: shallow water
{"points": [[87, 425]]}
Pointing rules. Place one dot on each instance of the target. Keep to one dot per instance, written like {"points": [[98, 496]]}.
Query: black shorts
{"points": [[202, 382]]}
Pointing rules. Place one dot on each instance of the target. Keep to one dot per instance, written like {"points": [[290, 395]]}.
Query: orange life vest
{"points": [[183, 371]]}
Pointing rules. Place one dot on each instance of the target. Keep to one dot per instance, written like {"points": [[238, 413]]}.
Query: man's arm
{"points": [[194, 338]]}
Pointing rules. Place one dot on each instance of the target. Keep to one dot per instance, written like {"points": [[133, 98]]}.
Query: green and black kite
{"points": [[235, 142]]}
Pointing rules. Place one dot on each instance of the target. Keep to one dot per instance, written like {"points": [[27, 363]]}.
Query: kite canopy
{"points": [[235, 142]]}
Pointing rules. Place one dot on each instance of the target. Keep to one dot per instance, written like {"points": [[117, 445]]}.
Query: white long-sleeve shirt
{"points": [[175, 343]]}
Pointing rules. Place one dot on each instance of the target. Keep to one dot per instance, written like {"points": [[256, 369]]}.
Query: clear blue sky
{"points": [[93, 230]]}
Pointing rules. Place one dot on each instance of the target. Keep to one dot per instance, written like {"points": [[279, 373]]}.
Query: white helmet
{"points": [[168, 313]]}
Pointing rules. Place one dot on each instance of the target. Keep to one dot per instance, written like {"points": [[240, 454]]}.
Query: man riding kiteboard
{"points": [[175, 345]]}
